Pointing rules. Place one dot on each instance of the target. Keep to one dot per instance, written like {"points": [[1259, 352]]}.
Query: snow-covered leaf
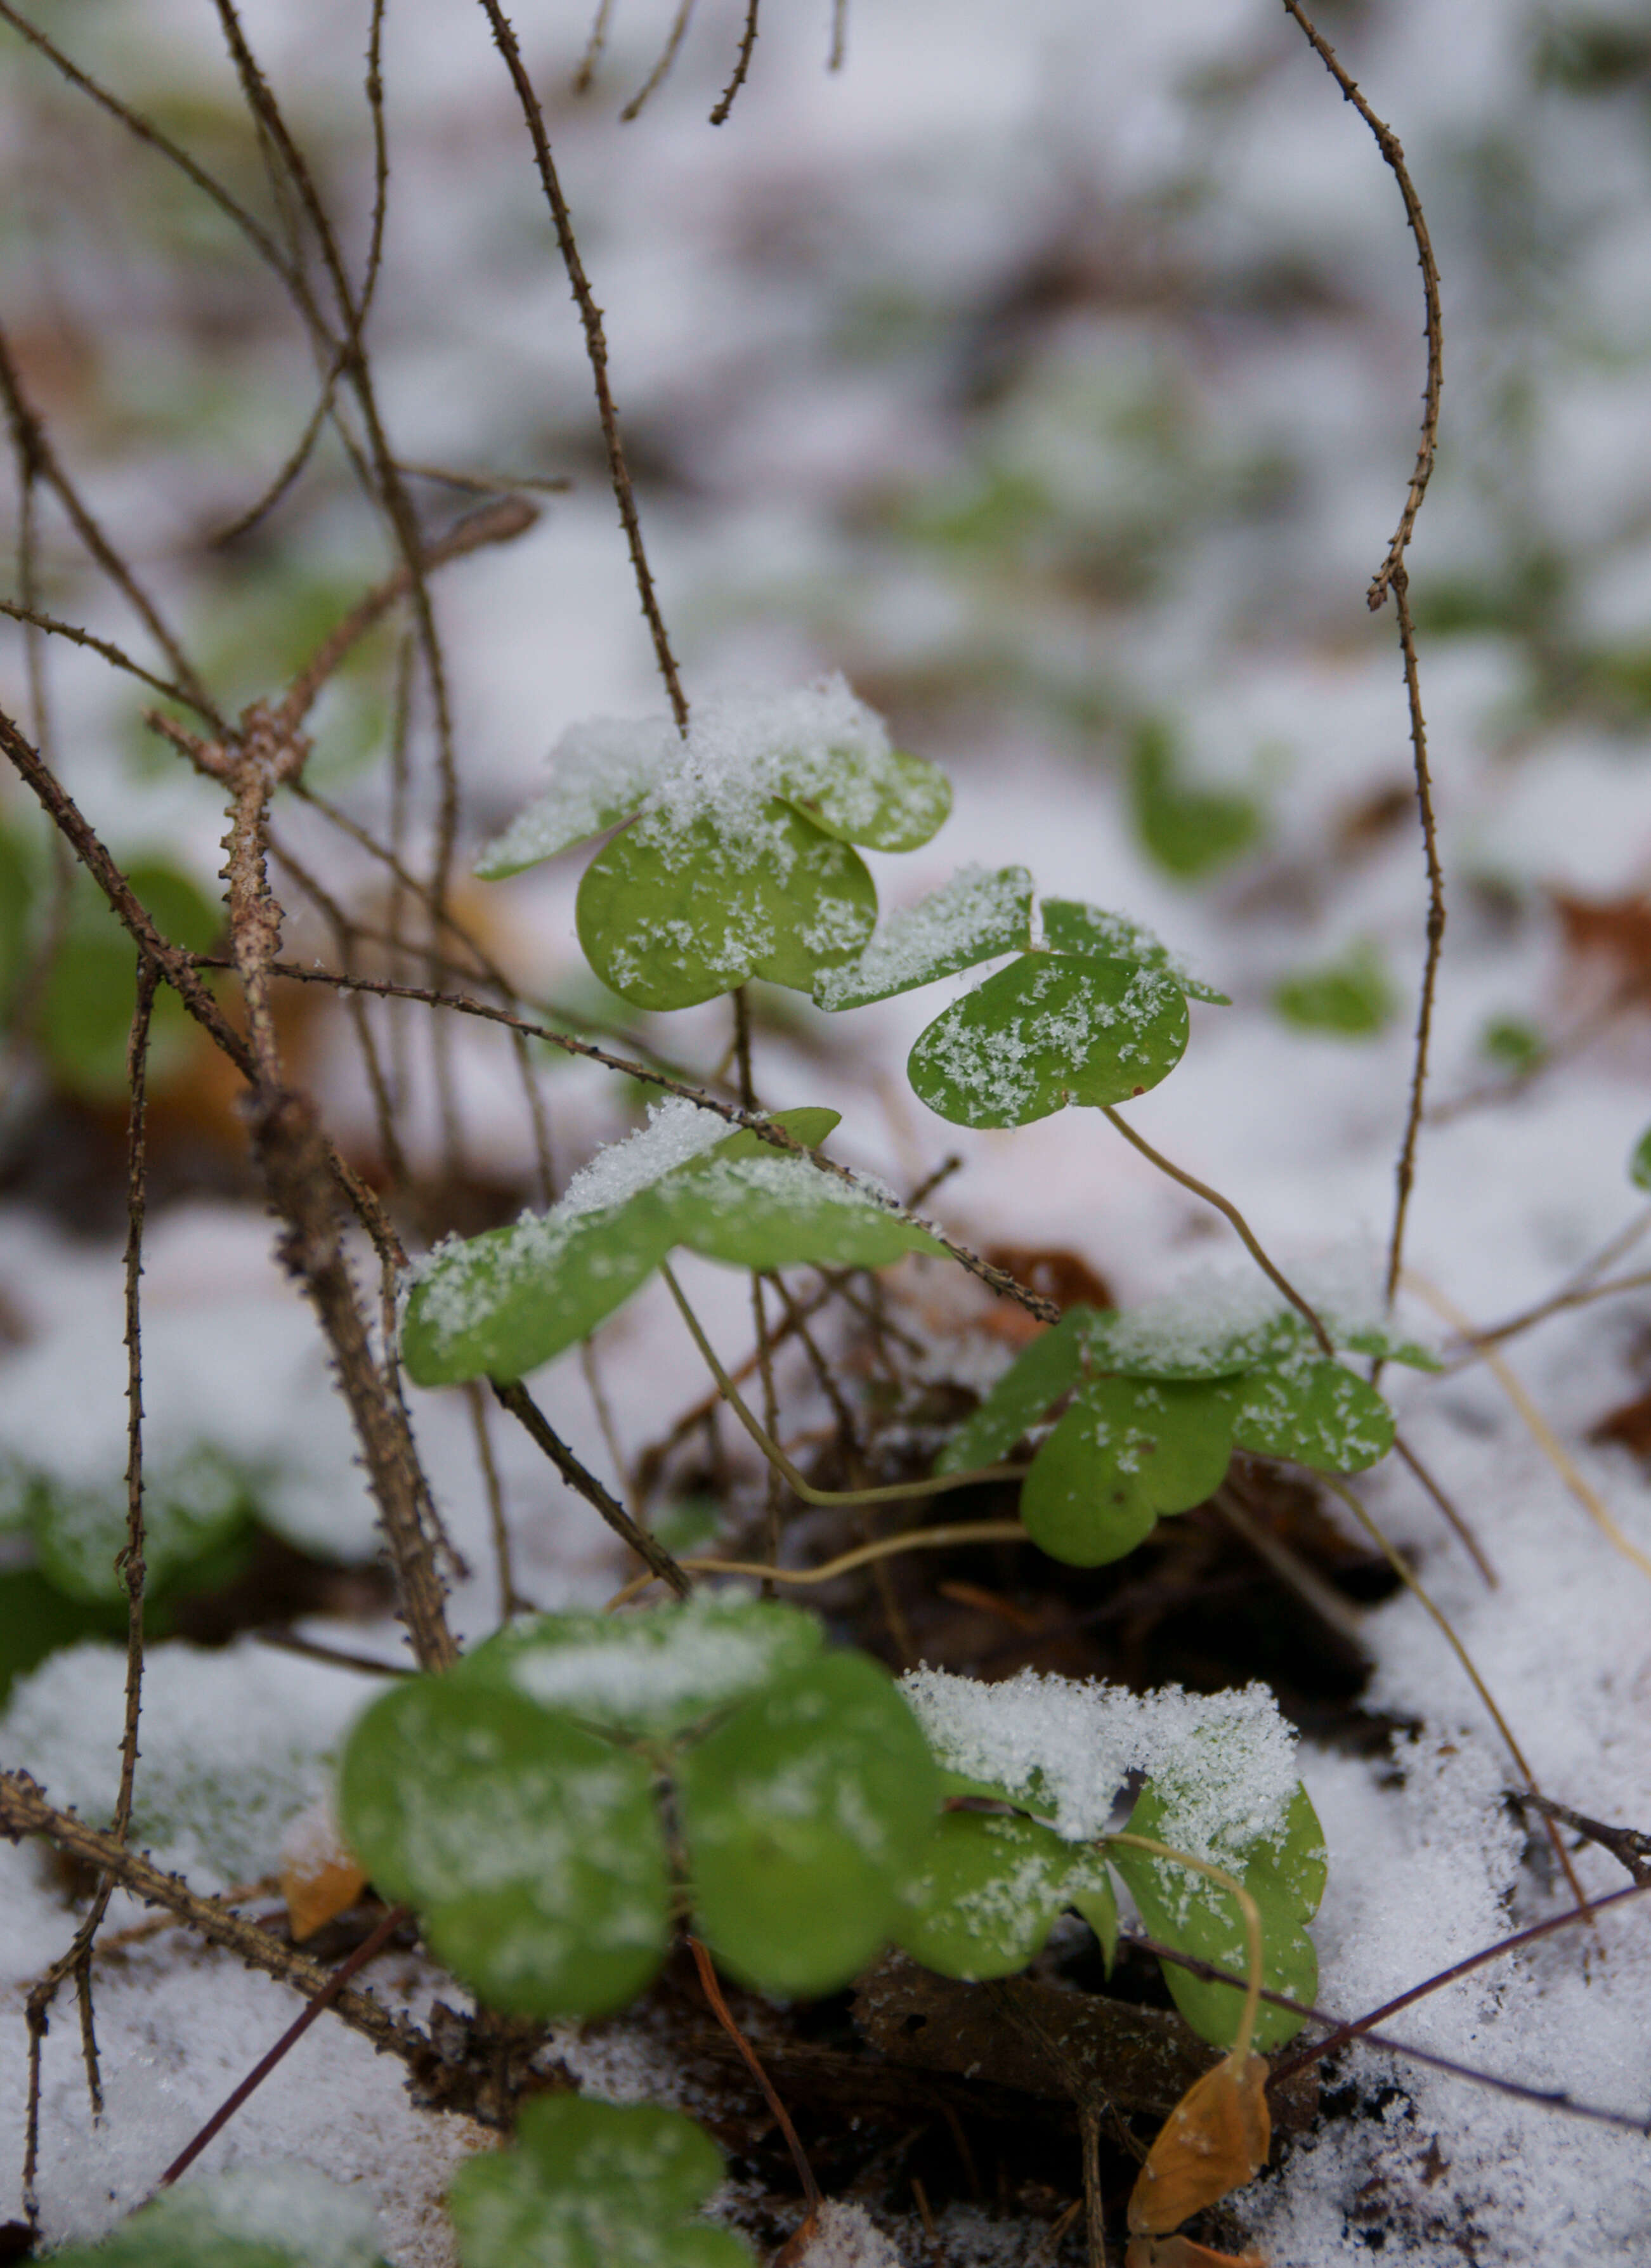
{"points": [[1284, 1871], [499, 1304], [973, 917], [591, 2184], [1045, 1369], [272, 2216], [657, 1673], [601, 770], [1048, 1030], [986, 1895], [678, 910], [1072, 927], [1313, 1413], [806, 1814], [863, 791], [532, 1850]]}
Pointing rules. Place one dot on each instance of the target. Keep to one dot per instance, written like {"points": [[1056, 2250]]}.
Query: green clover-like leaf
{"points": [[591, 2184], [1045, 1369], [974, 917], [806, 1813], [1126, 1451], [653, 1674], [1640, 1162], [532, 1851], [1048, 1030], [499, 1304], [1312, 1411], [990, 1886], [1181, 1908], [861, 791], [677, 910], [1072, 927]]}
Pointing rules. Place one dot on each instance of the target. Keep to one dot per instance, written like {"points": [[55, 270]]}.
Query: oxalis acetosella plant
{"points": [[581, 1789]]}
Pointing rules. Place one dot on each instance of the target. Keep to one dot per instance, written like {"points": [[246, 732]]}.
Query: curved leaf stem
{"points": [[1229, 1211], [1276, 1276], [864, 1555], [1247, 1907]]}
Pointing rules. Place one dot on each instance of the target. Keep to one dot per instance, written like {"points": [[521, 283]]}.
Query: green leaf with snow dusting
{"points": [[776, 1211], [1072, 927], [1048, 1030], [1043, 1370], [806, 1813], [602, 773], [279, 2215], [985, 1896], [653, 1674], [676, 911], [1078, 1504], [499, 1304], [973, 917], [863, 792], [592, 2184], [1313, 1413], [1092, 1896], [532, 1851], [1286, 1877], [1126, 1451]]}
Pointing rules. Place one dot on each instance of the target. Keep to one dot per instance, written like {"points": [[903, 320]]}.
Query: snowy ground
{"points": [[1044, 373]]}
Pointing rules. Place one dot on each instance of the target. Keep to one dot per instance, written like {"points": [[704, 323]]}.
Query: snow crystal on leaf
{"points": [[1224, 1763], [676, 1131], [603, 771], [975, 915], [744, 749]]}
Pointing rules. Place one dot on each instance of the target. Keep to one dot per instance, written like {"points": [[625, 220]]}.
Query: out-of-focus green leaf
{"points": [[532, 1850], [590, 2184], [805, 1814]]}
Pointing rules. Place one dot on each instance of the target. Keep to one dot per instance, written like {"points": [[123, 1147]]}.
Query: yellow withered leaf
{"points": [[1214, 2139], [320, 1876], [1182, 2252]]}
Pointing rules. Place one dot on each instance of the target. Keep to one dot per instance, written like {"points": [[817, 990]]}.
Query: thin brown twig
{"points": [[1392, 576], [24, 1810], [742, 65], [596, 353], [748, 2056], [34, 618], [317, 2005], [515, 1397], [144, 130], [997, 1279], [594, 45], [29, 433], [1404, 1171], [1627, 1844], [289, 469], [839, 54], [662, 69]]}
